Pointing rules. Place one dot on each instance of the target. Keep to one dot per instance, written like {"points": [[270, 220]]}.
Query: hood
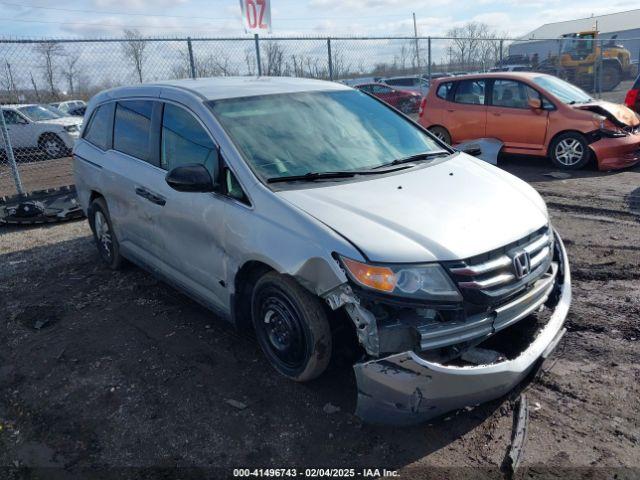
{"points": [[620, 115], [451, 210], [63, 121]]}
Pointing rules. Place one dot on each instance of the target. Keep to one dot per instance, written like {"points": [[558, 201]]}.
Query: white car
{"points": [[69, 106], [36, 127]]}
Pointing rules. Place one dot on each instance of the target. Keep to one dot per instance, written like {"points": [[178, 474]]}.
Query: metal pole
{"points": [[429, 59], [192, 64], [8, 149], [415, 34], [559, 62], [330, 60], [596, 68], [257, 40], [501, 53], [600, 73]]}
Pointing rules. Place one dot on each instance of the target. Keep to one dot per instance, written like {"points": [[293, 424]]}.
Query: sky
{"points": [[108, 18]]}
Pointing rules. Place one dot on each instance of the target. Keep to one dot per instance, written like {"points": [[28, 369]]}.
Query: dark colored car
{"points": [[406, 102], [633, 97]]}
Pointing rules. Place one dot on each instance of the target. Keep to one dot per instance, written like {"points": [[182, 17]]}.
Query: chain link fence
{"points": [[41, 79]]}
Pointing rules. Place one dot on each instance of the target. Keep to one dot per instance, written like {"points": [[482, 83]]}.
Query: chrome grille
{"points": [[492, 278]]}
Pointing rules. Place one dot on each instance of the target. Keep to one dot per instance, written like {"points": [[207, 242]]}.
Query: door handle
{"points": [[152, 197], [496, 114]]}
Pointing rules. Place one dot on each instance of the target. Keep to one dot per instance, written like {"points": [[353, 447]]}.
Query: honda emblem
{"points": [[521, 264]]}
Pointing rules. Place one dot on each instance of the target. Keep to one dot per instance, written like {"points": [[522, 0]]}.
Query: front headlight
{"points": [[419, 282], [72, 128]]}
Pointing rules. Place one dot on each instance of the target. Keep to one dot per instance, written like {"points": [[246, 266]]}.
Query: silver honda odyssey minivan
{"points": [[311, 212]]}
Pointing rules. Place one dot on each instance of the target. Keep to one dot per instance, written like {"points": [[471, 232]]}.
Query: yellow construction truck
{"points": [[580, 61]]}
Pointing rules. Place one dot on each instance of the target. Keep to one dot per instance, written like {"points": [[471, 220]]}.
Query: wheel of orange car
{"points": [[292, 327], [441, 133], [569, 151]]}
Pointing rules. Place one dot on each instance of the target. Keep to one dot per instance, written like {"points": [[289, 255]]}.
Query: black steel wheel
{"points": [[291, 326]]}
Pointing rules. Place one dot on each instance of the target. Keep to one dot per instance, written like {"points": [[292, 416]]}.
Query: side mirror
{"points": [[473, 150], [192, 177], [535, 103]]}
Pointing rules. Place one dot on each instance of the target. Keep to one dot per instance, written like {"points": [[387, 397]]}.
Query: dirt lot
{"points": [[101, 369]]}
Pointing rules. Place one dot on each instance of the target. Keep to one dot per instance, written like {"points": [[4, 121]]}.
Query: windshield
{"points": [[36, 113], [55, 110], [563, 91], [294, 134]]}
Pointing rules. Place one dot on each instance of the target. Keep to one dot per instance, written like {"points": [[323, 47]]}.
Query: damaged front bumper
{"points": [[617, 153], [404, 388]]}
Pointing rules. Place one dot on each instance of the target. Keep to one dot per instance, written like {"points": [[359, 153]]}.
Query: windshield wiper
{"points": [[310, 176], [415, 158]]}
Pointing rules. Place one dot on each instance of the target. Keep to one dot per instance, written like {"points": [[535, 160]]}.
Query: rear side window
{"points": [[380, 89], [443, 90], [132, 128], [184, 140], [100, 127], [12, 118], [470, 92]]}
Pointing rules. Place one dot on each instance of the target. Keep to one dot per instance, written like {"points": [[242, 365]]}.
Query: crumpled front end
{"points": [[617, 153], [460, 362]]}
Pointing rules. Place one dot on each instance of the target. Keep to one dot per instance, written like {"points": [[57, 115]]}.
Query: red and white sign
{"points": [[256, 15]]}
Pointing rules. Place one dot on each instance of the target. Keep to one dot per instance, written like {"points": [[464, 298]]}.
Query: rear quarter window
{"points": [[443, 90], [100, 127]]}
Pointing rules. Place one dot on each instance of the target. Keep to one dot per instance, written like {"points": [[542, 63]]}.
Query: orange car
{"points": [[533, 114]]}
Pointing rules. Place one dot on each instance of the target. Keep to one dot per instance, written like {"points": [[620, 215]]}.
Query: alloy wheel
{"points": [[569, 152], [103, 234]]}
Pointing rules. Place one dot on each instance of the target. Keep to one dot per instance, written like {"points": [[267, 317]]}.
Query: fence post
{"points": [[601, 72], [429, 59], [192, 64], [8, 151], [559, 63], [501, 51], [258, 65], [415, 35], [329, 58]]}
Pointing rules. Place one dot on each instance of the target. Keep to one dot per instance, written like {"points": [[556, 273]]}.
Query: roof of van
{"points": [[217, 88]]}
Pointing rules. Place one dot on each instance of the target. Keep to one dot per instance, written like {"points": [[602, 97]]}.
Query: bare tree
{"points": [[49, 52], [134, 50], [70, 71], [274, 62], [474, 45], [250, 59]]}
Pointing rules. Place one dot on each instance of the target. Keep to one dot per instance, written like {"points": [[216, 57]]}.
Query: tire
{"points": [[441, 133], [103, 234], [569, 151], [52, 146], [292, 327], [406, 107]]}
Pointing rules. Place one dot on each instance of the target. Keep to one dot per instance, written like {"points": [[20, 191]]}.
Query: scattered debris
{"points": [[557, 175], [515, 452], [330, 408], [537, 406], [236, 404]]}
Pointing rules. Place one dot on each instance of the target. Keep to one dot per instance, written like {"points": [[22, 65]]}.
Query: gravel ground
{"points": [[102, 369]]}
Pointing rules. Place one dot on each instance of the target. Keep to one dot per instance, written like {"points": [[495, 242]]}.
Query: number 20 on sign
{"points": [[256, 15]]}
